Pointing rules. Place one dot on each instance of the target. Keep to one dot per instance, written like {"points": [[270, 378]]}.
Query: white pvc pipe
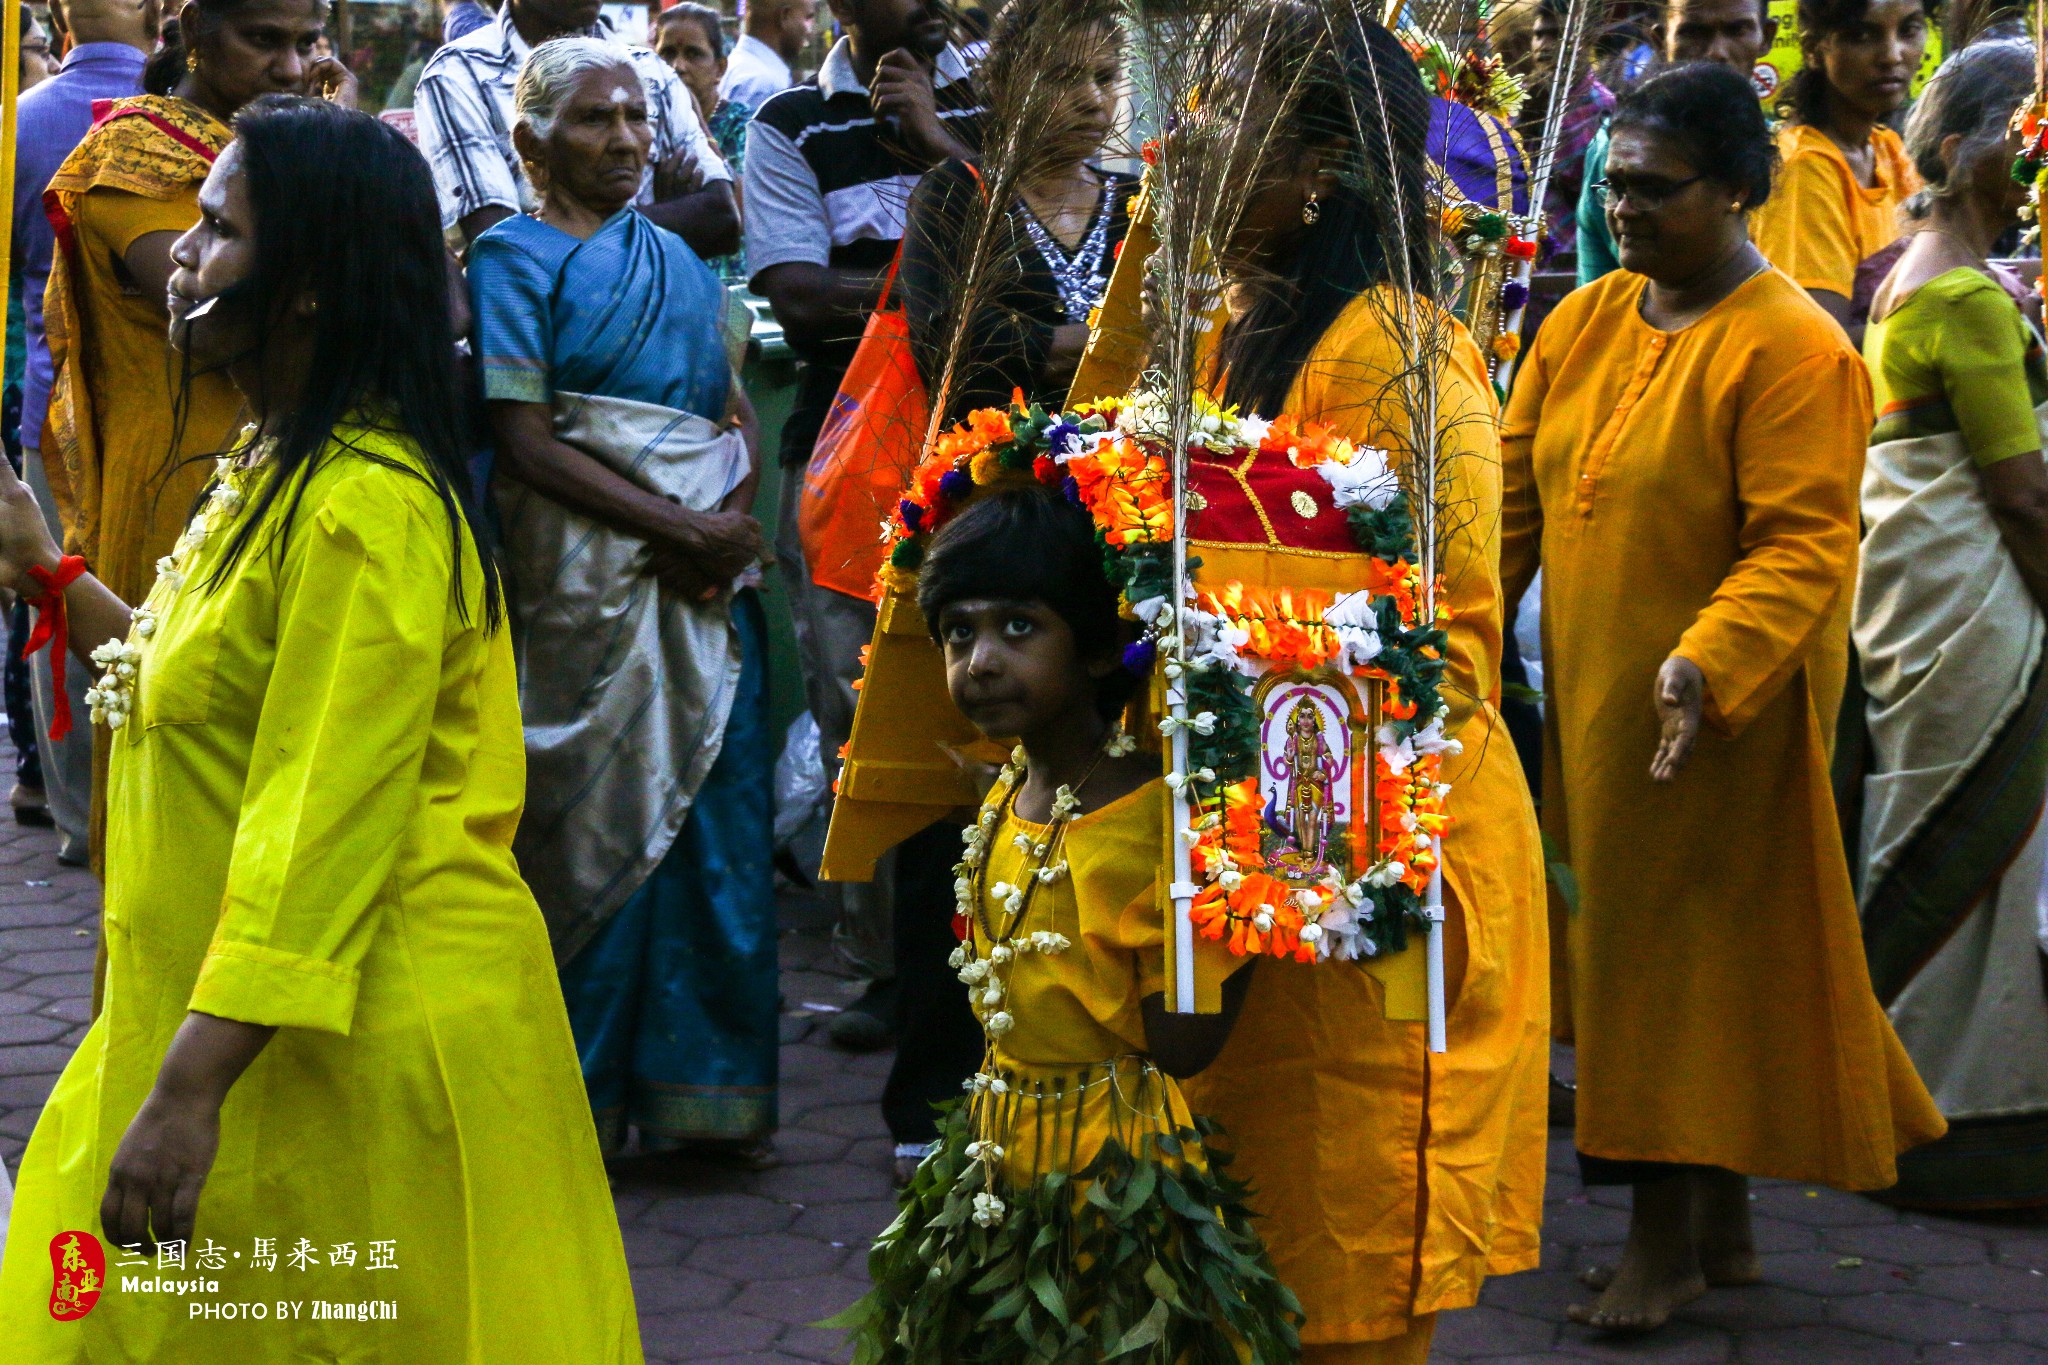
{"points": [[1183, 888], [1439, 1031]]}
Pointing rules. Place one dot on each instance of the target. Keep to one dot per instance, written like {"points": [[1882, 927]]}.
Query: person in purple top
{"points": [[110, 40]]}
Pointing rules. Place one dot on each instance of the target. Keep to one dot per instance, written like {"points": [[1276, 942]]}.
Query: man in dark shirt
{"points": [[829, 171]]}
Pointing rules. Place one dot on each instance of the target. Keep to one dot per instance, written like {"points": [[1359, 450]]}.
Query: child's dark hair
{"points": [[1712, 113], [1028, 545]]}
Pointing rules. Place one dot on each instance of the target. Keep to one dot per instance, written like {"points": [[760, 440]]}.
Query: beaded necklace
{"points": [[987, 978], [112, 698]]}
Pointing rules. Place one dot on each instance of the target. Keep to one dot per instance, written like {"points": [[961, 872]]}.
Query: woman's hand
{"points": [[328, 79], [159, 1170], [25, 539], [706, 552], [1681, 691], [165, 1156]]}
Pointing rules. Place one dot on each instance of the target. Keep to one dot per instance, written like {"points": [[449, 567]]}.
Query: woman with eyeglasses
{"points": [[1682, 454], [1836, 203]]}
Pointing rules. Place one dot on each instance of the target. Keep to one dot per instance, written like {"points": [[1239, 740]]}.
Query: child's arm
{"points": [[1185, 1044]]}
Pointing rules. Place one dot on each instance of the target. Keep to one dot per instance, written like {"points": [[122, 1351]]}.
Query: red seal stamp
{"points": [[78, 1272]]}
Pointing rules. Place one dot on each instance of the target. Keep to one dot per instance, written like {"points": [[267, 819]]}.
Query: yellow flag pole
{"points": [[10, 93]]}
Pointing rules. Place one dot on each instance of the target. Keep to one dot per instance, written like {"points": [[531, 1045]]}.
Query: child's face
{"points": [[1014, 668]]}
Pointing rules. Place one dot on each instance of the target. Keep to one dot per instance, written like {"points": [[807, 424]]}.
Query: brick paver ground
{"points": [[730, 1266]]}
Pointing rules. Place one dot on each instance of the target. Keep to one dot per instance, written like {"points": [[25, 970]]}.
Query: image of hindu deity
{"points": [[1302, 808]]}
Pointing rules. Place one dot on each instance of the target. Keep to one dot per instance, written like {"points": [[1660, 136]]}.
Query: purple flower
{"points": [[955, 485], [1138, 657], [1513, 295], [1063, 438], [1071, 490], [912, 514]]}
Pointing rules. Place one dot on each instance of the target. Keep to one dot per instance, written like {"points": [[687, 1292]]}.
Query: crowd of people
{"points": [[393, 488]]}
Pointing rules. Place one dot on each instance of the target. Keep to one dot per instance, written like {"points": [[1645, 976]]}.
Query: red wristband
{"points": [[53, 628]]}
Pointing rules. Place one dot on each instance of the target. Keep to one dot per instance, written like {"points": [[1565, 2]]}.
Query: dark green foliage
{"points": [[1233, 748], [1142, 1260], [1387, 534]]}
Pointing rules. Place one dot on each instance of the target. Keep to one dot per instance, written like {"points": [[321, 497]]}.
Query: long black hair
{"points": [[345, 209], [1361, 96]]}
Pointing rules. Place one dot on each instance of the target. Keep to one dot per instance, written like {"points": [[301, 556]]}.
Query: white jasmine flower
{"points": [[988, 1210], [992, 998], [999, 1023], [1366, 479], [1001, 953]]}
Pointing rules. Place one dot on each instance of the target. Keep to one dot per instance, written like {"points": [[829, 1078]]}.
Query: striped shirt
{"points": [[465, 115], [824, 184]]}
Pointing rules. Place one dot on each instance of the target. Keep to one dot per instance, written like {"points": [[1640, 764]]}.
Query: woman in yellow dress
{"points": [[333, 1066], [1844, 173], [1682, 453], [1389, 1181]]}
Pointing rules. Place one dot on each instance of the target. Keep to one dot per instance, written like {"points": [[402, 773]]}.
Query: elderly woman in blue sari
{"points": [[626, 458]]}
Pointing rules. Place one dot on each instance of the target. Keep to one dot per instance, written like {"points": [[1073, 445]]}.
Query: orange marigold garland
{"points": [[1111, 458]]}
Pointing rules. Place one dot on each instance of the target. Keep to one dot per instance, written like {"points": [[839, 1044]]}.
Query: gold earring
{"points": [[1311, 212], [1735, 206], [191, 61]]}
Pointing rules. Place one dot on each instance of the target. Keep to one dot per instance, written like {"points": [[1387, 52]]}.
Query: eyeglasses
{"points": [[1649, 191]]}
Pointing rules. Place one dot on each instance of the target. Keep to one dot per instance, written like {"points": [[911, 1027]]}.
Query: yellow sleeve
{"points": [[1470, 567], [117, 218], [1798, 457], [1805, 228], [363, 600]]}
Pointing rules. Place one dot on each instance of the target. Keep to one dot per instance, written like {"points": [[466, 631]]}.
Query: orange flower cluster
{"points": [[1129, 491], [1285, 625], [1217, 912], [1308, 444], [1402, 795], [1237, 833], [984, 428]]}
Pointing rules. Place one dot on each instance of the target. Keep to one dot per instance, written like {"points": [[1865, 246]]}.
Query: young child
{"points": [[1072, 1209]]}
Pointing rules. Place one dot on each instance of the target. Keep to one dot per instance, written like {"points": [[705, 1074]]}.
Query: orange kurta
{"points": [[125, 463], [1695, 492], [1820, 222], [1392, 1181]]}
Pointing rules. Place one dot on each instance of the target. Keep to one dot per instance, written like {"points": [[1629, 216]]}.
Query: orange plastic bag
{"points": [[864, 455]]}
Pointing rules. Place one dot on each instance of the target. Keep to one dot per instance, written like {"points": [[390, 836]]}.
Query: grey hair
{"points": [[552, 70], [1973, 96]]}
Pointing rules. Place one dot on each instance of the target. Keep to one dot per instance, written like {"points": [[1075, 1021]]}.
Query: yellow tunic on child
{"points": [[1146, 1239], [1079, 1032], [310, 826]]}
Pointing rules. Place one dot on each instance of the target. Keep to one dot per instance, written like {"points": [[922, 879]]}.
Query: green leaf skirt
{"points": [[1144, 1255]]}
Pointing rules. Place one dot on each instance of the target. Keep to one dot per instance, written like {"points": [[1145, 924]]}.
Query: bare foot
{"points": [[1721, 1228], [1659, 1272]]}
